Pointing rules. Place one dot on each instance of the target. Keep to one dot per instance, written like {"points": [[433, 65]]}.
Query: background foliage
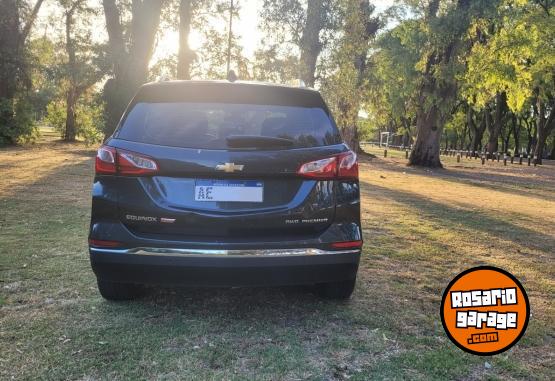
{"points": [[465, 74]]}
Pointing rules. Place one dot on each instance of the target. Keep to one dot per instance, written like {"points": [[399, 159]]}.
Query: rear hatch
{"points": [[221, 163]]}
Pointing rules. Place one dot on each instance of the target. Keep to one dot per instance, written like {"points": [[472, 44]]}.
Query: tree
{"points": [[129, 52], [303, 26], [185, 55], [518, 60], [497, 126], [212, 59], [84, 66], [270, 65], [394, 79], [348, 84], [445, 47], [16, 21]]}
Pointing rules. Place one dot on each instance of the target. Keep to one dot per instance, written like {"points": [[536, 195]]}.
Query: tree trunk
{"points": [[428, 132], [10, 61], [32, 17], [472, 129], [71, 99], [463, 137], [495, 129], [516, 134], [544, 127], [130, 65], [70, 128], [528, 126], [185, 55], [311, 46], [358, 34], [13, 70], [144, 25], [478, 134], [440, 94], [505, 140]]}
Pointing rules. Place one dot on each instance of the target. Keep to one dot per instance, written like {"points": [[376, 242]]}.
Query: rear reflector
{"points": [[347, 244], [343, 166], [103, 243], [112, 161]]}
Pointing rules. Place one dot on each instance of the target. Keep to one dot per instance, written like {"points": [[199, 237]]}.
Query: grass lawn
{"points": [[421, 228]]}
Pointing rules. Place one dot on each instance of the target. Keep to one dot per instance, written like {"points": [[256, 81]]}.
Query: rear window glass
{"points": [[208, 125]]}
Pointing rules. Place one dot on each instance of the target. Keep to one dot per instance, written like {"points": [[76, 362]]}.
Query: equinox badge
{"points": [[229, 167]]}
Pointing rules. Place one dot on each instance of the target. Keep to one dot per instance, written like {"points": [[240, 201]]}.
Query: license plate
{"points": [[229, 190]]}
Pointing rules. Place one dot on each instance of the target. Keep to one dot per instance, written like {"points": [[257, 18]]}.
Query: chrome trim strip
{"points": [[162, 251]]}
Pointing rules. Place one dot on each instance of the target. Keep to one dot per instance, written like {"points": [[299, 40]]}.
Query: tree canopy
{"points": [[465, 74]]}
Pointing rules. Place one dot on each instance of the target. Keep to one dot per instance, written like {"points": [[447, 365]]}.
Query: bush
{"points": [[56, 116], [17, 122], [89, 120]]}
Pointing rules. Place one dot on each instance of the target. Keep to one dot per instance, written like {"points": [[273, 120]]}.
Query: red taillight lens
{"points": [[348, 165], [347, 245], [111, 161], [320, 169], [343, 166], [105, 161], [103, 243], [130, 163]]}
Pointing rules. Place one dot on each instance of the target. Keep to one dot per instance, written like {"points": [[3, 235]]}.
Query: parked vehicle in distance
{"points": [[213, 183]]}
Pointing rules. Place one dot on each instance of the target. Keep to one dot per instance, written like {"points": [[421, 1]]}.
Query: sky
{"points": [[246, 27]]}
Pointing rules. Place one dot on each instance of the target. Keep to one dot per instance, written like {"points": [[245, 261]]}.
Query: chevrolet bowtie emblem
{"points": [[229, 167]]}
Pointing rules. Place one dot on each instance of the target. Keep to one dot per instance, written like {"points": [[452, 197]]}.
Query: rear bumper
{"points": [[223, 268]]}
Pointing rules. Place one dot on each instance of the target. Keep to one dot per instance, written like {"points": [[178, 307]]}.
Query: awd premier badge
{"points": [[485, 310]]}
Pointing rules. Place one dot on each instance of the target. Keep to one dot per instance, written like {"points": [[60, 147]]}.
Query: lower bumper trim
{"points": [[162, 251]]}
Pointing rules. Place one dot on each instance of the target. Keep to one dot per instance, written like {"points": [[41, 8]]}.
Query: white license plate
{"points": [[229, 190]]}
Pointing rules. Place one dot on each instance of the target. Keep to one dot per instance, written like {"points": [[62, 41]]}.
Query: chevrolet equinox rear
{"points": [[225, 184]]}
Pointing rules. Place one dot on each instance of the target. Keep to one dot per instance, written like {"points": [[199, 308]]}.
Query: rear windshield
{"points": [[209, 125]]}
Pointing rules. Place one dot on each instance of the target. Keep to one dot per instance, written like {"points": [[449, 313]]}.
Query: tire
{"points": [[341, 290], [119, 291]]}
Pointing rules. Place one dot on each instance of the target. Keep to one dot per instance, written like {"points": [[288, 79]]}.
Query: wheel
{"points": [[336, 290], [119, 291]]}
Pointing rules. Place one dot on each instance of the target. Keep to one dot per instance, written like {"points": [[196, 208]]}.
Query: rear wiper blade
{"points": [[255, 141]]}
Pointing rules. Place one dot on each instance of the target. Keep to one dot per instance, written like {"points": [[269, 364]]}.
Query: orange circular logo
{"points": [[485, 310]]}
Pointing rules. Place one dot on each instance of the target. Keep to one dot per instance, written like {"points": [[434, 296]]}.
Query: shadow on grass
{"points": [[471, 220], [506, 183]]}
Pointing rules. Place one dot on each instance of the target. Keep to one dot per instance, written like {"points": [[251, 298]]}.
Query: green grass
{"points": [[54, 325]]}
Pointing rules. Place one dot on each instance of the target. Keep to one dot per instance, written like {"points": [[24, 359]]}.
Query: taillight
{"points": [[105, 163], [347, 245], [130, 163], [348, 165], [103, 243], [111, 161], [320, 169], [343, 166]]}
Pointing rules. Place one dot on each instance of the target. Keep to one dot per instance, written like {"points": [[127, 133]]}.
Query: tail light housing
{"points": [[342, 166], [347, 245], [103, 243], [112, 161]]}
